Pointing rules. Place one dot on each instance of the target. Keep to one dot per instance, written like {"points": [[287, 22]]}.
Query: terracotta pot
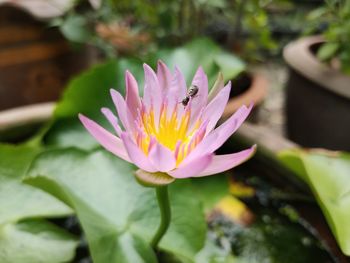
{"points": [[317, 98], [18, 123], [35, 61], [256, 92]]}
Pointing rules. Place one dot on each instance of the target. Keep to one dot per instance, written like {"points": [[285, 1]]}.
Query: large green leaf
{"points": [[119, 216], [87, 94], [35, 241], [211, 190], [29, 241], [17, 200], [328, 176]]}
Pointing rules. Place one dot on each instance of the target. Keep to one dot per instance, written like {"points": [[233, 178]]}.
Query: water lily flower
{"points": [[161, 133]]}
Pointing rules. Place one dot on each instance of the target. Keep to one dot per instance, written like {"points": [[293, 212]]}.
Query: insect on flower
{"points": [[192, 92], [160, 136]]}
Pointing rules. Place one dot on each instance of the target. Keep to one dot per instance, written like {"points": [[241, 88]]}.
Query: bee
{"points": [[191, 93]]}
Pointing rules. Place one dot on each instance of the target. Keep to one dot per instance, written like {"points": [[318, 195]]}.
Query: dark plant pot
{"points": [[247, 88], [317, 99], [35, 61]]}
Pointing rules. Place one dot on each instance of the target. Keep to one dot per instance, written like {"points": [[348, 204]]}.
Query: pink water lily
{"points": [[160, 134]]}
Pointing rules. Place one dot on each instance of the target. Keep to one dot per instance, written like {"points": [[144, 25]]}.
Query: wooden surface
{"points": [[36, 62]]}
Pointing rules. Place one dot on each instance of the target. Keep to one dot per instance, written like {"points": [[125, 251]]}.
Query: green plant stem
{"points": [[165, 214]]}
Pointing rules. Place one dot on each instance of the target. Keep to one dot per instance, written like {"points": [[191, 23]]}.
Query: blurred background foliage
{"points": [[252, 28], [335, 16]]}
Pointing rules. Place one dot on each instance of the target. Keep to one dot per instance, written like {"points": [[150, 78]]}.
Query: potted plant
{"points": [[318, 93]]}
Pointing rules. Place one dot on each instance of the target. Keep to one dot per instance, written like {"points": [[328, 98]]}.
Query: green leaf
{"points": [[211, 189], [328, 177], [30, 241], [17, 200], [229, 65], [75, 29], [202, 52], [114, 210], [327, 51], [87, 94], [35, 241], [211, 253]]}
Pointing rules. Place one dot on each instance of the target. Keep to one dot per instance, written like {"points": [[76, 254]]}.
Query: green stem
{"points": [[165, 214]]}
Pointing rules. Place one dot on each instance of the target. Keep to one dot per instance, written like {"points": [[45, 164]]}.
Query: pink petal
{"points": [[112, 119], [225, 162], [105, 138], [164, 76], [199, 134], [177, 90], [230, 126], [192, 168], [179, 83], [152, 93], [162, 158], [216, 107], [217, 137], [132, 94], [136, 155], [200, 100], [124, 114]]}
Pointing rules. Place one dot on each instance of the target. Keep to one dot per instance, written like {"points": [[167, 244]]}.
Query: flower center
{"points": [[172, 131]]}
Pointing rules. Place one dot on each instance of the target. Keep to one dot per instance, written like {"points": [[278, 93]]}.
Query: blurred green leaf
{"points": [[35, 241], [328, 177], [332, 20], [30, 241], [211, 189], [87, 94], [201, 52], [118, 215], [327, 51], [75, 28], [17, 200]]}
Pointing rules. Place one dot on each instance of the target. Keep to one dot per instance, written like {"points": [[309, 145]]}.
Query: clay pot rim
{"points": [[254, 94], [26, 115], [299, 57]]}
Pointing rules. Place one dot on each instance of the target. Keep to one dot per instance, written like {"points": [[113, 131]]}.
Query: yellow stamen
{"points": [[169, 131]]}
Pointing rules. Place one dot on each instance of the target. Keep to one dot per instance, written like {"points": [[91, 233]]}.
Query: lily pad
{"points": [[17, 200], [29, 241], [35, 241], [117, 214], [327, 174]]}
